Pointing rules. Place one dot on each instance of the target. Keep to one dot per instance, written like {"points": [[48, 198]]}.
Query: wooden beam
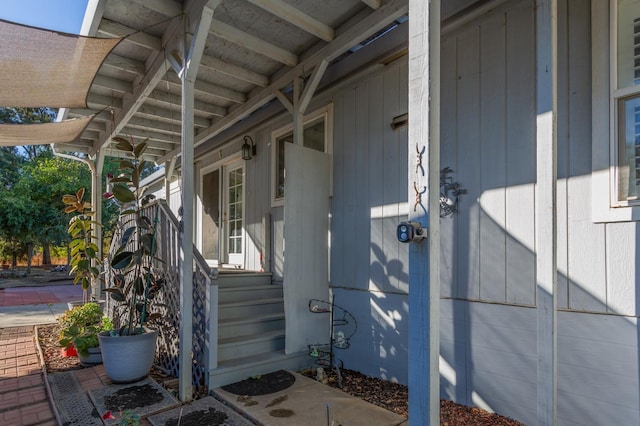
{"points": [[115, 29], [168, 8], [235, 71], [288, 104], [124, 64], [253, 43], [158, 113], [423, 187], [112, 84], [154, 125], [312, 85], [373, 4], [99, 101], [92, 17], [212, 90], [143, 87], [368, 26], [296, 17], [545, 208]]}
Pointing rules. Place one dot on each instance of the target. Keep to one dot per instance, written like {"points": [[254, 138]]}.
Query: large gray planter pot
{"points": [[128, 359], [92, 358]]}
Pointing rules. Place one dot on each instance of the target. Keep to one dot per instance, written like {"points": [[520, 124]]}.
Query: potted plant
{"points": [[84, 250], [79, 328], [129, 350]]}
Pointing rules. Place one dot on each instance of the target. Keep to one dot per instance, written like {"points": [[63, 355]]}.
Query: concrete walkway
{"points": [[22, 306]]}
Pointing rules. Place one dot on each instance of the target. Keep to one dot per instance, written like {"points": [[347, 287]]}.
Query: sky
{"points": [[58, 15]]}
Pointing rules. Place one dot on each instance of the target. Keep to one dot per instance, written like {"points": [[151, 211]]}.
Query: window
{"points": [[615, 124], [626, 100], [315, 136]]}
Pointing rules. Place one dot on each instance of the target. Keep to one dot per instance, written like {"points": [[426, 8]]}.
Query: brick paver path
{"points": [[23, 397]]}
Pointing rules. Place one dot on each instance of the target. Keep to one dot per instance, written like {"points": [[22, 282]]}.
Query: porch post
{"points": [[191, 58], [96, 203], [424, 207], [545, 210]]}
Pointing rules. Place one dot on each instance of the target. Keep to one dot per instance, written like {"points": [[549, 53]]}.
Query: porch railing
{"points": [[167, 300]]}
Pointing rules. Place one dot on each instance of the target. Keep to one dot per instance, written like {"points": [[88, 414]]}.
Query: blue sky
{"points": [[58, 15]]}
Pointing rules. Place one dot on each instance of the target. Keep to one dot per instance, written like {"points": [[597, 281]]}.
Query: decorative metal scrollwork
{"points": [[450, 193]]}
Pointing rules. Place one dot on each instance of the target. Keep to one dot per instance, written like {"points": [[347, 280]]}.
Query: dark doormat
{"points": [[204, 412], [142, 398], [262, 385]]}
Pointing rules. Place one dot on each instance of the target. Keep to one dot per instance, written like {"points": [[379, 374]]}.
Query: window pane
{"points": [[628, 43], [314, 136], [628, 149], [280, 164]]}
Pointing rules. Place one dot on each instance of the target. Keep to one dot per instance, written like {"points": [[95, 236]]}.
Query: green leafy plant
{"points": [[80, 327], [84, 250], [135, 280], [125, 417]]}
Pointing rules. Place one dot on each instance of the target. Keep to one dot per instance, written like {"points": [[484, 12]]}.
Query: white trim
{"points": [[327, 113]]}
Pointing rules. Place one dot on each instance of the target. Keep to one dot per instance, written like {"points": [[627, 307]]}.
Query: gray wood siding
{"points": [[369, 175], [488, 139]]}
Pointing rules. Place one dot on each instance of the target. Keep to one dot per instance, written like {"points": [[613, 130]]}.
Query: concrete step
{"points": [[251, 325], [242, 278], [234, 370], [244, 346], [231, 294], [249, 308]]}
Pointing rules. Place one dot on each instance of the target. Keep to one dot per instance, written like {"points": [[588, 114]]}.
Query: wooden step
{"points": [[250, 325], [248, 308], [234, 370], [244, 346], [243, 278], [233, 294]]}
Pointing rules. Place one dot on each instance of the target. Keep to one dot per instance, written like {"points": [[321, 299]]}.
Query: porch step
{"points": [[232, 294], [257, 324], [232, 278], [232, 371], [245, 346], [249, 308]]}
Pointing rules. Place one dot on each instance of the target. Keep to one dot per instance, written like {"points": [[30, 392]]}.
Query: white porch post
{"points": [[545, 210], [190, 63], [96, 203], [424, 257]]}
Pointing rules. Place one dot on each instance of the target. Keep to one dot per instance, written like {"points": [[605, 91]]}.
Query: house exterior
{"points": [[534, 309]]}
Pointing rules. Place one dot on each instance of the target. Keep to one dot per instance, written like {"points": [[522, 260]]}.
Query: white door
{"points": [[233, 214], [306, 235]]}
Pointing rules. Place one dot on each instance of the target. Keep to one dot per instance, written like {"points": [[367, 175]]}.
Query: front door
{"points": [[233, 214]]}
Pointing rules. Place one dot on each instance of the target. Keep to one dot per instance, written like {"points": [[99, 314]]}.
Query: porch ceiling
{"points": [[253, 51]]}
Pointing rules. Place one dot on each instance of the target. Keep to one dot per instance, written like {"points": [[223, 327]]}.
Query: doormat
{"points": [[262, 385], [71, 401], [207, 411], [142, 398]]}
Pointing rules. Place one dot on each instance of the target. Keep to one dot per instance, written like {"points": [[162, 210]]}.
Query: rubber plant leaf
{"points": [[121, 260], [122, 193]]}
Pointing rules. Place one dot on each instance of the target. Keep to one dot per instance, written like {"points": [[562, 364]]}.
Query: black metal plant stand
{"points": [[343, 327]]}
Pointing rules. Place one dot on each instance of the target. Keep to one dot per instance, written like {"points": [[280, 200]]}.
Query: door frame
{"points": [[222, 166]]}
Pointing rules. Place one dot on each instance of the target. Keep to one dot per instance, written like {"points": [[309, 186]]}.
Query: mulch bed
{"points": [[391, 396]]}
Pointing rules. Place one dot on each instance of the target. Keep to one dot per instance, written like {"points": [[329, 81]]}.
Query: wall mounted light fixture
{"points": [[248, 148]]}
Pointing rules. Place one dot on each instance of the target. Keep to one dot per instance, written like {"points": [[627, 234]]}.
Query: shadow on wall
{"points": [[488, 349]]}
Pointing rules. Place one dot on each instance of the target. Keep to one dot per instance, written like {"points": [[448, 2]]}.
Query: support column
{"points": [[96, 203], [190, 63], [424, 207], [545, 209]]}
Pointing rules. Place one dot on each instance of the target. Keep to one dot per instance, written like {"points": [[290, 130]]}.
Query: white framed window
{"points": [[616, 110], [318, 130]]}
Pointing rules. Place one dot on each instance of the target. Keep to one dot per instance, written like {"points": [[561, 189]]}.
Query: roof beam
{"points": [[167, 116], [165, 7], [113, 84], [213, 90], [234, 71], [296, 17], [373, 4], [368, 26], [253, 43], [154, 125], [153, 136], [199, 106], [312, 85], [99, 101], [115, 29], [124, 64]]}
